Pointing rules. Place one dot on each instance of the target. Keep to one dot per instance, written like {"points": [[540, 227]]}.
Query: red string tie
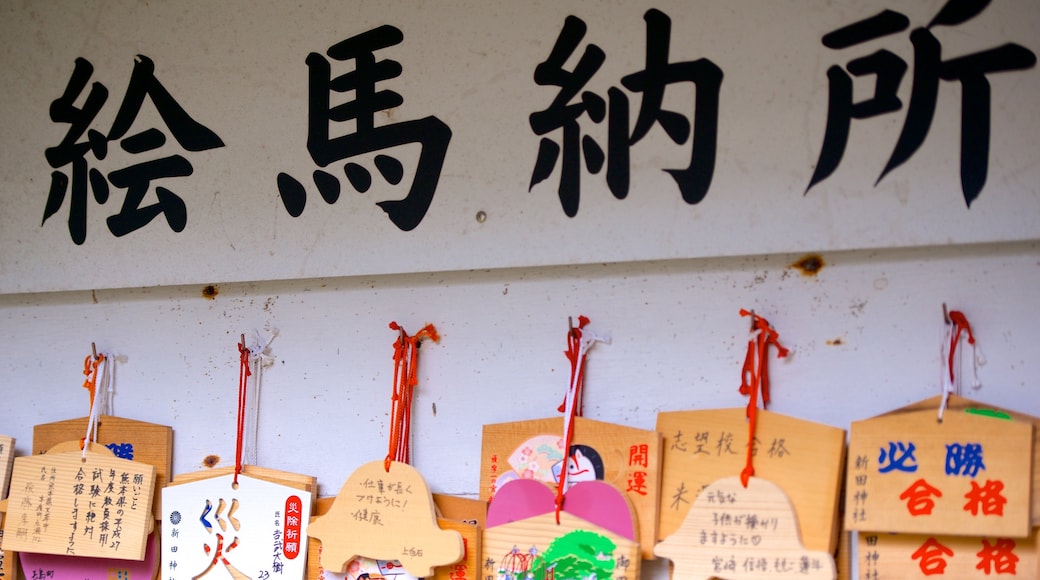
{"points": [[243, 382], [755, 379], [406, 366]]}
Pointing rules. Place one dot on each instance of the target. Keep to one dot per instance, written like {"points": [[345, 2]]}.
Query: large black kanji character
{"points": [[71, 151], [563, 114], [572, 103], [706, 76], [430, 132], [136, 179], [929, 68]]}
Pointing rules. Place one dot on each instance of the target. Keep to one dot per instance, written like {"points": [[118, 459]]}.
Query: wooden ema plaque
{"points": [[459, 514], [462, 509], [737, 533], [803, 458], [8, 560], [255, 529], [97, 506], [6, 463], [626, 457], [306, 483], [908, 556], [595, 536], [467, 517], [969, 475], [55, 567], [962, 404], [843, 558], [386, 515], [125, 438]]}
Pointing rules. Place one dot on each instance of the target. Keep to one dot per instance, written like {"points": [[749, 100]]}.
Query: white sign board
{"points": [[173, 143]]}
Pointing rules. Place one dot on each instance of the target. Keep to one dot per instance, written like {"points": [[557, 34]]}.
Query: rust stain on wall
{"points": [[210, 292], [809, 264], [211, 460]]}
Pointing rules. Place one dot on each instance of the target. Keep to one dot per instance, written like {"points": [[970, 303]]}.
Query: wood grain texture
{"points": [[901, 477], [732, 533], [58, 492], [961, 404], [386, 515], [803, 458], [911, 556], [151, 443]]}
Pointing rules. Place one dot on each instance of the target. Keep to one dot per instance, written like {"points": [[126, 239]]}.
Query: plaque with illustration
{"points": [[594, 535], [626, 457], [250, 529]]}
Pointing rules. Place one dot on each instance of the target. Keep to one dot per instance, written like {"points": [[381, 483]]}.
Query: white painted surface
{"points": [[238, 68]]}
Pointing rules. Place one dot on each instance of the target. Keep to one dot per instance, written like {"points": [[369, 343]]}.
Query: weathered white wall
{"points": [[678, 343]]}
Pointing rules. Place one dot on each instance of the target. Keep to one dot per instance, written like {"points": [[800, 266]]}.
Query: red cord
{"points": [[577, 381], [243, 382], [406, 367], [90, 370], [755, 378]]}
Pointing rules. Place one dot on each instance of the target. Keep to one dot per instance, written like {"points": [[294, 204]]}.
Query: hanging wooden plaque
{"points": [[8, 559], [467, 517], [803, 458], [737, 533], [961, 404], [306, 483], [386, 515], [594, 538], [57, 567], [6, 463], [626, 457], [909, 556], [252, 528], [843, 558], [96, 505], [462, 509], [125, 438], [463, 515], [968, 475]]}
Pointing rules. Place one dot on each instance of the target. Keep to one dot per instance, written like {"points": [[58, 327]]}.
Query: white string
{"points": [[588, 340], [977, 359], [101, 388], [259, 357], [947, 386], [108, 393]]}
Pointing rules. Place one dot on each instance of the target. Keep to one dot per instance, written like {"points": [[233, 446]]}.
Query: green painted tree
{"points": [[577, 555]]}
